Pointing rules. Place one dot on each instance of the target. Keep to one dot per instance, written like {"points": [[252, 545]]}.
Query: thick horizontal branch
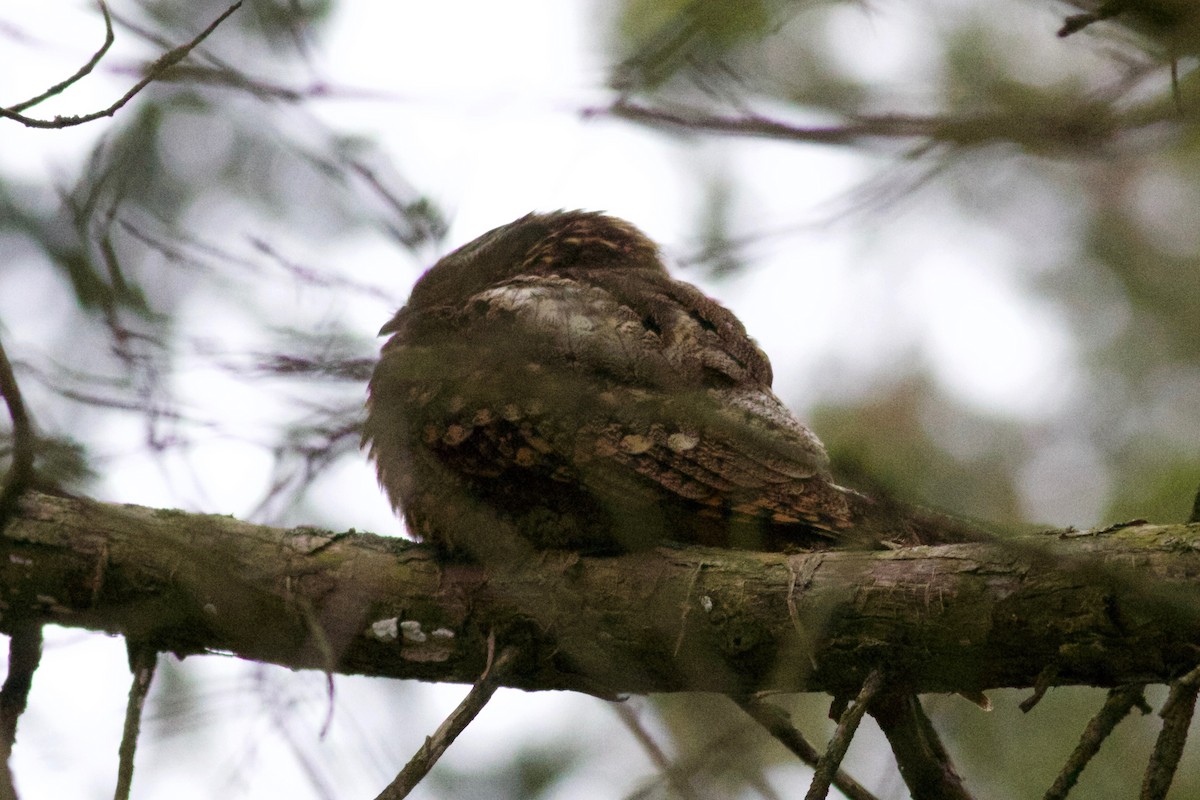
{"points": [[1107, 609]]}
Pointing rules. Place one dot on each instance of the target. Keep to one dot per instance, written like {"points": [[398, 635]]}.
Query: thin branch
{"points": [[20, 472], [1116, 708], [676, 777], [1177, 715], [720, 754], [320, 639], [1084, 126], [777, 723], [153, 72], [24, 655], [142, 661], [81, 73], [923, 761], [218, 72], [828, 764], [462, 716], [1044, 681], [753, 125]]}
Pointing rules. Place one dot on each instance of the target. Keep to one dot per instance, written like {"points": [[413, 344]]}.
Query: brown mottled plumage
{"points": [[550, 384]]}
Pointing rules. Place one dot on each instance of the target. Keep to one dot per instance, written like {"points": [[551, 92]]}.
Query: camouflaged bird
{"points": [[550, 383]]}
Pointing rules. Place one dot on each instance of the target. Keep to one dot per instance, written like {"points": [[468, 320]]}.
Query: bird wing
{"points": [[629, 392]]}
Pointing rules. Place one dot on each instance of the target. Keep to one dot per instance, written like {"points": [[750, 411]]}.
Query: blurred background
{"points": [[970, 247]]}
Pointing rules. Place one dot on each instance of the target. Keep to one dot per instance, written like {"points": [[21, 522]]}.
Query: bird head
{"points": [[535, 244]]}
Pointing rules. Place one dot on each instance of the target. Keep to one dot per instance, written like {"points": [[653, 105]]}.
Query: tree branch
{"points": [[922, 759], [1083, 127], [1110, 609], [423, 760], [24, 655], [828, 763], [141, 665], [777, 722], [1176, 714], [20, 470], [1119, 703], [154, 72], [80, 73]]}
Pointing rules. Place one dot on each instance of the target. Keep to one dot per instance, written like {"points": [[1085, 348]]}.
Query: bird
{"points": [[550, 386]]}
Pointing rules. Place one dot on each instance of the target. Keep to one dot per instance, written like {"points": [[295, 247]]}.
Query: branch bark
{"points": [[1109, 609]]}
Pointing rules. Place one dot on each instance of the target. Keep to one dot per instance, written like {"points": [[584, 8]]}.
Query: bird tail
{"points": [[888, 522]]}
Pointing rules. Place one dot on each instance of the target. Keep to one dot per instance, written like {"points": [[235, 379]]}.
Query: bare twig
{"points": [[718, 756], [828, 763], [777, 723], [1195, 515], [24, 655], [142, 661], [1177, 715], [752, 125], [1072, 128], [924, 763], [319, 638], [1115, 709], [429, 753], [1044, 680], [153, 72], [215, 71], [676, 777], [81, 73], [20, 472]]}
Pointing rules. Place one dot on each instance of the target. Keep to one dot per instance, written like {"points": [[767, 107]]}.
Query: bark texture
{"points": [[1105, 609]]}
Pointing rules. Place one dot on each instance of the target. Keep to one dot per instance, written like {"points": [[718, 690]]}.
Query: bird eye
{"points": [[705, 323]]}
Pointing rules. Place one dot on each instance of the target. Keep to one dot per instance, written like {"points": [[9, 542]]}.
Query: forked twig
{"points": [[80, 73], [153, 72]]}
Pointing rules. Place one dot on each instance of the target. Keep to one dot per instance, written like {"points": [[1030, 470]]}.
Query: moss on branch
{"points": [[1107, 609]]}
